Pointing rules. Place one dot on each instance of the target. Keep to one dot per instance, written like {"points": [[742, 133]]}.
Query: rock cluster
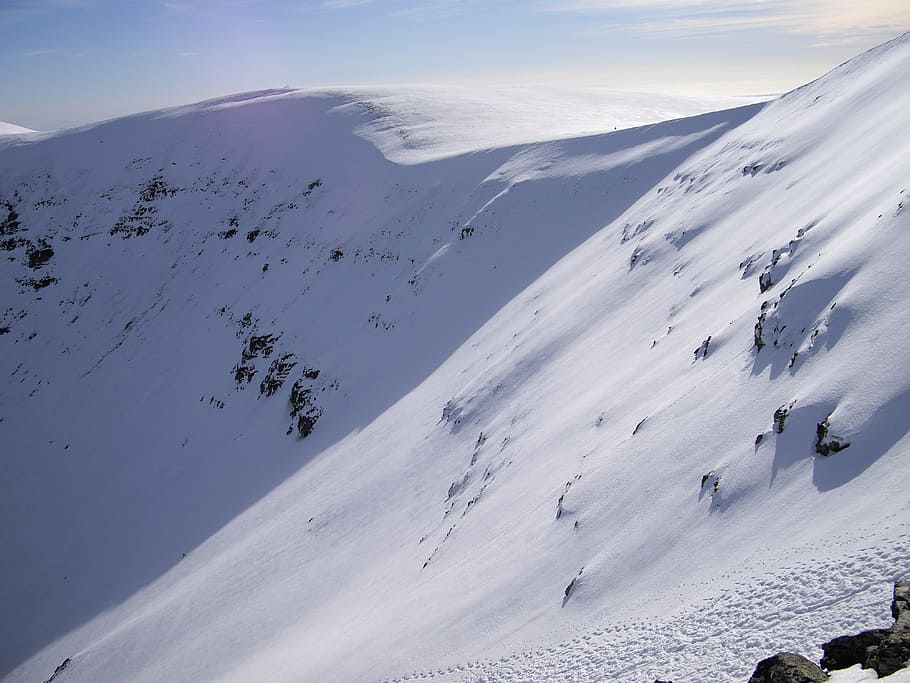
{"points": [[886, 650]]}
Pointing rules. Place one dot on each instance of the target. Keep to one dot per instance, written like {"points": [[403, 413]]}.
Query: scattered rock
{"points": [[571, 587], [787, 667], [780, 416], [59, 669], [276, 375], [252, 235], [38, 255], [36, 284], [336, 255], [825, 443], [156, 188], [304, 409], [261, 345], [9, 225]]}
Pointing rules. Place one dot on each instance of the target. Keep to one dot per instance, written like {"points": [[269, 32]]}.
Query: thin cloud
{"points": [[343, 4], [827, 21], [37, 53]]}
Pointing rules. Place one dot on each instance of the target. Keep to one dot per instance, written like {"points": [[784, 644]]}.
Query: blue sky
{"points": [[64, 62]]}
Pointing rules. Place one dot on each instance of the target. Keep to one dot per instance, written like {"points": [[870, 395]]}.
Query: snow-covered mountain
{"points": [[286, 399], [13, 129]]}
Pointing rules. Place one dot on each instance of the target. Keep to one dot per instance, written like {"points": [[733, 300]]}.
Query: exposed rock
{"points": [[764, 282], [156, 188], [846, 651], [58, 670], [10, 224], [900, 606], [38, 255], [261, 345], [277, 374], [36, 283], [787, 667], [825, 443], [252, 235], [780, 417], [304, 409], [885, 650], [890, 654], [571, 587], [702, 351]]}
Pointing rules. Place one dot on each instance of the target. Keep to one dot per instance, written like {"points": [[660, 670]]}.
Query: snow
{"points": [[856, 675], [13, 129], [504, 321]]}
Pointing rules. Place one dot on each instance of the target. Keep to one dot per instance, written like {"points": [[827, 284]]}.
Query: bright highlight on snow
{"points": [[387, 385]]}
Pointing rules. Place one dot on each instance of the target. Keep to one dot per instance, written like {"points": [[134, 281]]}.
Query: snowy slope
{"points": [[519, 467], [13, 129]]}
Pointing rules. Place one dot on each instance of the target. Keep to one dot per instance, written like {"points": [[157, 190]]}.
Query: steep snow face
{"points": [[278, 407]]}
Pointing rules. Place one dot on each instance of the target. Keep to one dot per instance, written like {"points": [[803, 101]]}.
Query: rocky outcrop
{"points": [[787, 667], [827, 443], [900, 606], [885, 650]]}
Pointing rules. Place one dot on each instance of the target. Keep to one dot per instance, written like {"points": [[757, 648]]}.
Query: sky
{"points": [[69, 62]]}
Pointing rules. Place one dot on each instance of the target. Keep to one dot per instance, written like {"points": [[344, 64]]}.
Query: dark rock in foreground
{"points": [[786, 667], [885, 650]]}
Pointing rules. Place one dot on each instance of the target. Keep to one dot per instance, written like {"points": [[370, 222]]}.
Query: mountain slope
{"points": [[527, 386], [13, 129]]}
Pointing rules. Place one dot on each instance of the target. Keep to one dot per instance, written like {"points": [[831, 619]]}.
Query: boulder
{"points": [[787, 667], [846, 651]]}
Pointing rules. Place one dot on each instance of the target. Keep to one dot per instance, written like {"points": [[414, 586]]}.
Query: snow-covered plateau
{"points": [[372, 386]]}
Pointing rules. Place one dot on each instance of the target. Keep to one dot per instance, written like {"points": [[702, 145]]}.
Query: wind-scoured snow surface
{"points": [[557, 407]]}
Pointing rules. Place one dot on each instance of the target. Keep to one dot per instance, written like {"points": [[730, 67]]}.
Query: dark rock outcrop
{"points": [[780, 417], [787, 667], [900, 606], [825, 442], [885, 650], [303, 409], [846, 651]]}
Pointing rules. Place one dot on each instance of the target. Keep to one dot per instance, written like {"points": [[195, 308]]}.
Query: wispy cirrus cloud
{"points": [[827, 21], [343, 4]]}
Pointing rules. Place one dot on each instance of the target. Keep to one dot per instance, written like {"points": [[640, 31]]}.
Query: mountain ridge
{"points": [[561, 347]]}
